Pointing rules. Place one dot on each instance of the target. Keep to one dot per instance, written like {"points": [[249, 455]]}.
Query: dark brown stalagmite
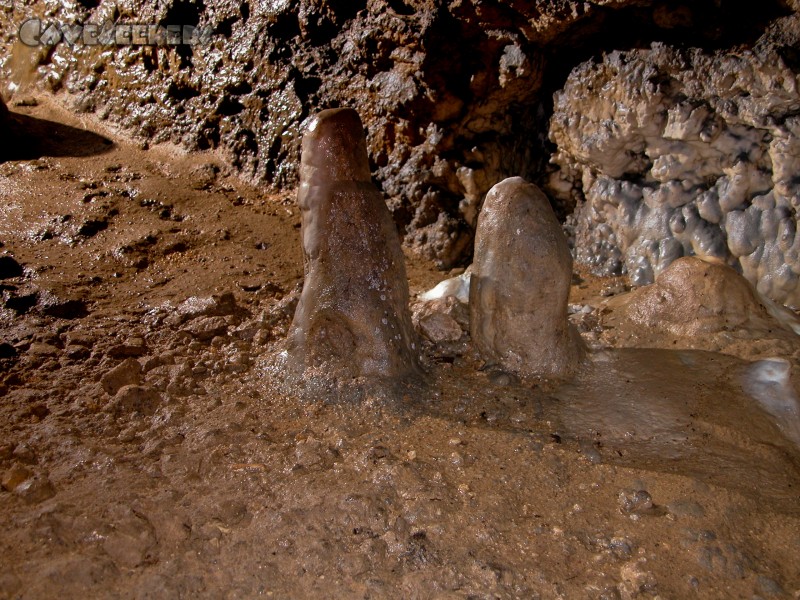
{"points": [[520, 282], [353, 318]]}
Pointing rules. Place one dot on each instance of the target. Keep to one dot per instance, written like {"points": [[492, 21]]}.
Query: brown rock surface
{"points": [[520, 284], [695, 297], [702, 304], [353, 318], [128, 372]]}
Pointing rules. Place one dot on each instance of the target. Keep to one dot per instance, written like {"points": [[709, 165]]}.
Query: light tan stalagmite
{"points": [[520, 283], [353, 318]]}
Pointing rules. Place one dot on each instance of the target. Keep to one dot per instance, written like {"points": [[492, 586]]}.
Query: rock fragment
{"points": [[638, 501], [520, 284], [208, 328], [131, 348], [128, 372], [443, 324], [214, 306], [440, 327], [353, 318], [62, 308], [24, 453], [135, 398], [14, 476], [28, 485], [35, 489], [42, 349], [80, 339], [130, 540]]}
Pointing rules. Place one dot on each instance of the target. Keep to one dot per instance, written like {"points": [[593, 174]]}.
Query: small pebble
{"points": [[35, 489], [621, 548], [639, 501], [14, 476], [770, 587]]}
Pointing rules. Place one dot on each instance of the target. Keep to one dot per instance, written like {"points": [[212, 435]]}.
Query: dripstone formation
{"points": [[520, 284], [352, 319]]}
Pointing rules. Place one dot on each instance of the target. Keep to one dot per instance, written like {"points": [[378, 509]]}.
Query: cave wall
{"points": [[684, 153], [455, 95]]}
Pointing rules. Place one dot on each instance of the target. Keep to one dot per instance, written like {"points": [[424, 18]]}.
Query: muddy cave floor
{"points": [[156, 273]]}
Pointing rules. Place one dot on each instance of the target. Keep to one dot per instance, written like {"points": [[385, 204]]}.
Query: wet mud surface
{"points": [[149, 450]]}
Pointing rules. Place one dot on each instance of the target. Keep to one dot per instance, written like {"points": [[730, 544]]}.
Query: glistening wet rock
{"points": [[702, 305], [451, 92], [520, 284], [62, 308], [353, 318]]}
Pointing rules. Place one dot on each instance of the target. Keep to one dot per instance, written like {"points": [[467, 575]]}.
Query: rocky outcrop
{"points": [[667, 153], [703, 305], [694, 297], [454, 95]]}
